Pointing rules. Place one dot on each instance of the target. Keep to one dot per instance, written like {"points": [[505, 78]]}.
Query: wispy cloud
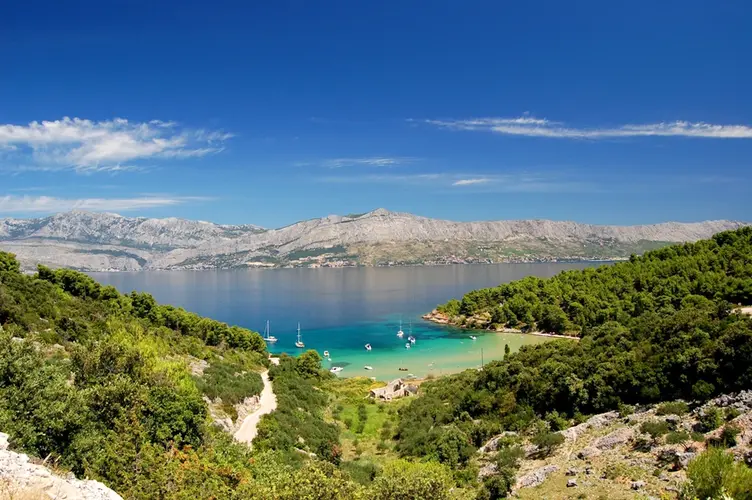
{"points": [[538, 127], [110, 146], [47, 204], [369, 161], [506, 183], [470, 182]]}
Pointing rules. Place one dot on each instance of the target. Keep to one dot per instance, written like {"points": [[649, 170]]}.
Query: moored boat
{"points": [[299, 343], [368, 347], [268, 337]]}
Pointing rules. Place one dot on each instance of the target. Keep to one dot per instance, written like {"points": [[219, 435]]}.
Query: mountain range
{"points": [[102, 241]]}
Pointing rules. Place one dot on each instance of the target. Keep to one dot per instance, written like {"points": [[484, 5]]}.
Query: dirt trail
{"points": [[267, 404]]}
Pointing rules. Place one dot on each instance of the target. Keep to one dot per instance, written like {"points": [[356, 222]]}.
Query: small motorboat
{"points": [[368, 367], [473, 337], [402, 369], [368, 347], [335, 369], [326, 354], [407, 346]]}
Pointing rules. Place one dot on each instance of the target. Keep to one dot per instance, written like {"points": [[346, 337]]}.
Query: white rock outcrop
{"points": [[19, 476]]}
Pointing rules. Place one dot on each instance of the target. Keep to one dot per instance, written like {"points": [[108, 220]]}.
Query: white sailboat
{"points": [[268, 337], [299, 342], [407, 345], [410, 337], [368, 347], [400, 333]]}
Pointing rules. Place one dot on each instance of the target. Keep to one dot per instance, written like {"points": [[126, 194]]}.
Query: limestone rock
{"points": [[19, 475], [572, 483], [638, 485], [536, 477], [616, 438]]}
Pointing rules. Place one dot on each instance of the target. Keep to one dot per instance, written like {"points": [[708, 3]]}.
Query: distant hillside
{"points": [[100, 241]]}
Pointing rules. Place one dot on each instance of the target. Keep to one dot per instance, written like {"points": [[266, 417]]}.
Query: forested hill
{"points": [[710, 273], [657, 328]]}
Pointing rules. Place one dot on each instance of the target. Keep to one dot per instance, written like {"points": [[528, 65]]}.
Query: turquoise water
{"points": [[340, 310]]}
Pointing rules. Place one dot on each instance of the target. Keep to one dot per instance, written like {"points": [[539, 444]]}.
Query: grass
{"points": [[361, 437]]}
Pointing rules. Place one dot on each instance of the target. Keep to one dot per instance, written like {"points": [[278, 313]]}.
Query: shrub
{"points": [[677, 437], [715, 473], [401, 479], [654, 428], [711, 419], [547, 442], [727, 438], [673, 408], [625, 410], [697, 437], [731, 413]]}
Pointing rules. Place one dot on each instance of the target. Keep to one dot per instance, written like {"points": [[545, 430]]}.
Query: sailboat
{"points": [[410, 337], [299, 342], [407, 345], [368, 347], [400, 333], [268, 337]]}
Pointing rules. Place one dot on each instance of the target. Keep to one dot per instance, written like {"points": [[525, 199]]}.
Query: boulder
{"points": [[571, 472], [616, 438], [594, 422], [588, 452], [487, 470], [572, 483], [638, 485], [536, 477]]}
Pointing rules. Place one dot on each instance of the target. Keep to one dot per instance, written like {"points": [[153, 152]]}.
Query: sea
{"points": [[341, 310]]}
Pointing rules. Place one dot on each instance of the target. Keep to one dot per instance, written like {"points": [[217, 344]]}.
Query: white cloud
{"points": [[503, 183], [89, 146], [48, 204], [470, 182], [372, 161], [534, 127]]}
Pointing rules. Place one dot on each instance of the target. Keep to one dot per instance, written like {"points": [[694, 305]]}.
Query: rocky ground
{"points": [[21, 478], [609, 456]]}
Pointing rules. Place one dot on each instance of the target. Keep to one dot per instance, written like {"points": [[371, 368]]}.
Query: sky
{"points": [[273, 112]]}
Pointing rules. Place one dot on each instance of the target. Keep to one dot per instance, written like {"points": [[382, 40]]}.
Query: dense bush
{"points": [[714, 474], [654, 428], [672, 408]]}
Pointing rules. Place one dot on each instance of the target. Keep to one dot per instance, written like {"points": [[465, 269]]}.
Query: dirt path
{"points": [[267, 404]]}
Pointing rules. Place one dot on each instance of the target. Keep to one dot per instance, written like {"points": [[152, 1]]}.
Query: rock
{"points": [[493, 443], [616, 438], [684, 459], [638, 485], [594, 422], [535, 477], [673, 420], [530, 450], [487, 470], [572, 483], [588, 452], [588, 470], [571, 472], [19, 475]]}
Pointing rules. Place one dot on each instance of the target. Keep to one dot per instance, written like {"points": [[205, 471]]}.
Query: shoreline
{"points": [[442, 319]]}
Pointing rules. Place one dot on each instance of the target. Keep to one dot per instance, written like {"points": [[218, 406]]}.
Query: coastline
{"points": [[442, 319]]}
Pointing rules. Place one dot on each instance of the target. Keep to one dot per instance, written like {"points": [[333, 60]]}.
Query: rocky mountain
{"points": [[102, 241]]}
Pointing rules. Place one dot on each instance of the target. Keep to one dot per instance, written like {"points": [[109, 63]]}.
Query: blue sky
{"points": [[272, 112]]}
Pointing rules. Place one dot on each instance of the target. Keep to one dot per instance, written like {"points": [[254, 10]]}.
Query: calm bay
{"points": [[340, 310]]}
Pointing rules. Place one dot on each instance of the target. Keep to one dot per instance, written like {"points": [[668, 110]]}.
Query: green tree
{"points": [[403, 480], [309, 363]]}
